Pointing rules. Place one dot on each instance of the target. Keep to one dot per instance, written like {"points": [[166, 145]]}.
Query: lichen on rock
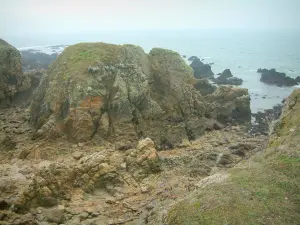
{"points": [[118, 93]]}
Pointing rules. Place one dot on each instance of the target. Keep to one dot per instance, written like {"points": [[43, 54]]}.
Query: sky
{"points": [[19, 17]]}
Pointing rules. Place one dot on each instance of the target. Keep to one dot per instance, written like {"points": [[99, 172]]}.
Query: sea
{"points": [[241, 51]]}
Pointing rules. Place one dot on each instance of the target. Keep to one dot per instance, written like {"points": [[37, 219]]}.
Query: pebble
{"points": [[80, 144], [77, 155]]}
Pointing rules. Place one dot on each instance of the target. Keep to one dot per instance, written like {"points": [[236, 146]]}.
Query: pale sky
{"points": [[56, 16]]}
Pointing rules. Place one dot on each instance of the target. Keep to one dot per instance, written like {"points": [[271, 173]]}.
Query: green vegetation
{"points": [[262, 190], [77, 58]]}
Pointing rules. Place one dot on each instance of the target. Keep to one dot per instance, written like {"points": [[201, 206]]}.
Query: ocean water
{"points": [[242, 51]]}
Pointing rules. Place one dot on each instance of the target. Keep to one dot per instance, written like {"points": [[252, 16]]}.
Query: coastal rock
{"points": [[118, 93], [263, 120], [201, 70], [226, 77], [204, 86], [272, 77], [229, 104], [36, 60], [144, 160], [12, 79], [248, 180], [297, 79]]}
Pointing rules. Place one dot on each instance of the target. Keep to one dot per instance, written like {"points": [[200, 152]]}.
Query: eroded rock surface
{"points": [[12, 79], [118, 93]]}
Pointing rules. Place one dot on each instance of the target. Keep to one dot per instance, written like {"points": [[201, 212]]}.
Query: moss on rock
{"points": [[262, 190]]}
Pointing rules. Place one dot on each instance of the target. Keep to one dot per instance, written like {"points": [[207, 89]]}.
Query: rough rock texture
{"points": [[229, 104], [201, 70], [204, 86], [226, 77], [144, 160], [264, 119], [36, 60], [118, 93], [251, 192], [12, 79], [272, 77]]}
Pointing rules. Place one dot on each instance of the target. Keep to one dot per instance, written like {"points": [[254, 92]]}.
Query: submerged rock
{"points": [[272, 77]]}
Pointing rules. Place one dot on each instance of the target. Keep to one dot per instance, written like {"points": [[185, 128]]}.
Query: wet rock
{"points": [[226, 77], [263, 120], [201, 70], [272, 77]]}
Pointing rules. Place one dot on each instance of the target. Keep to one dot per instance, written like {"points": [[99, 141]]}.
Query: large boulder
{"points": [[226, 77], [229, 104], [12, 79], [120, 94], [201, 70], [272, 77]]}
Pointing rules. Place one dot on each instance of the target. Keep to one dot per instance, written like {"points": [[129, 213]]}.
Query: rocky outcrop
{"points": [[12, 79], [36, 60], [226, 77], [246, 183], [144, 160], [272, 77], [204, 86], [229, 104], [120, 94], [60, 182], [201, 70], [264, 119]]}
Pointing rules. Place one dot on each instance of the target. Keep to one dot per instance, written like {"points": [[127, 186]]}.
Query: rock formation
{"points": [[119, 94], [36, 60], [204, 86], [272, 77], [201, 70], [12, 79], [252, 184], [226, 77]]}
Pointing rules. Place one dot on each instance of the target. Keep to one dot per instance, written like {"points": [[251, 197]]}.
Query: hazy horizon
{"points": [[37, 17]]}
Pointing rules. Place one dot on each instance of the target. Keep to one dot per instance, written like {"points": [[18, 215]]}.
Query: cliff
{"points": [[12, 79], [118, 93], [262, 190]]}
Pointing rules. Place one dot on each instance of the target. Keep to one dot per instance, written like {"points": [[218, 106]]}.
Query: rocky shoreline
{"points": [[112, 135]]}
